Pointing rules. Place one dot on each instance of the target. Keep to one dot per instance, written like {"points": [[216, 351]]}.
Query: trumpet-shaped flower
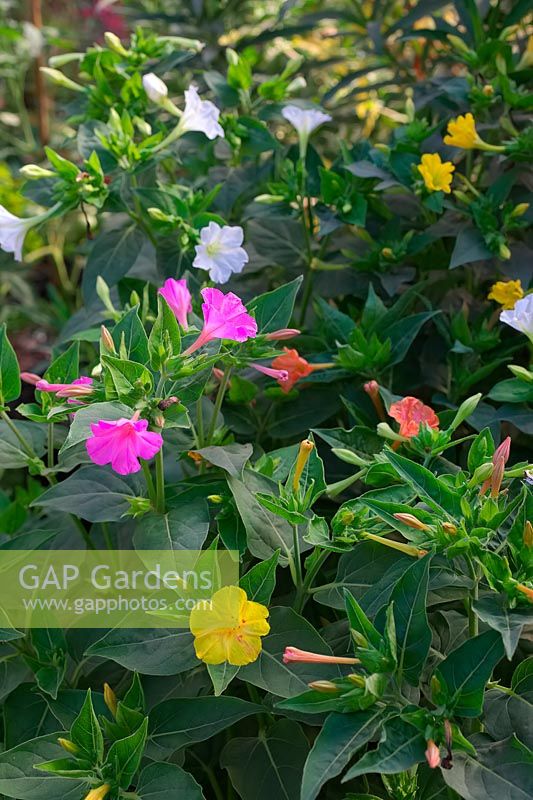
{"points": [[296, 367], [437, 174], [99, 793], [280, 375], [155, 88], [84, 384], [432, 754], [13, 231], [506, 293], [229, 628], [220, 251], [294, 654], [521, 316], [122, 442], [178, 298], [225, 317], [200, 115], [304, 120], [411, 413], [462, 133]]}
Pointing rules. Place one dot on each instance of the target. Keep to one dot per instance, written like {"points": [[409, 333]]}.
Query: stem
{"points": [[473, 622], [50, 445], [200, 422], [160, 482], [107, 535], [218, 404], [149, 482], [24, 442], [297, 561], [81, 527]]}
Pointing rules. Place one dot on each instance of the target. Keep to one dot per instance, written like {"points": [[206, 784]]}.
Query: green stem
{"points": [[107, 535], [473, 622], [218, 404], [297, 559], [303, 596], [50, 445], [200, 422], [160, 482], [149, 481], [81, 527], [26, 446]]}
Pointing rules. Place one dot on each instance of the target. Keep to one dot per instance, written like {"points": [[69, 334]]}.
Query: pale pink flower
{"points": [[282, 333], [225, 317], [305, 657], [122, 442], [280, 375], [178, 298], [432, 754]]}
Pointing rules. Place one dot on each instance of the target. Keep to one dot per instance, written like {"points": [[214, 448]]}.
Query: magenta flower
{"points": [[122, 442], [178, 298], [280, 375], [225, 317], [81, 387]]}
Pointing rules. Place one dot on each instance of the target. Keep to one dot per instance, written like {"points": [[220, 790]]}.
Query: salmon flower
{"points": [[121, 442], [372, 390], [462, 133], [296, 367], [178, 299], [432, 754], [499, 460], [294, 654], [225, 317], [437, 174], [411, 413], [229, 628], [506, 293]]}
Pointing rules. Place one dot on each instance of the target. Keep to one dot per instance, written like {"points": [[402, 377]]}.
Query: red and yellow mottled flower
{"points": [[411, 413], [506, 293], [437, 174], [229, 628]]}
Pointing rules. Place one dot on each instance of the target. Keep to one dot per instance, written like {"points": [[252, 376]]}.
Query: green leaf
{"points": [[65, 368], [500, 771], [434, 490], [340, 738], [273, 310], [359, 622], [269, 766], [164, 341], [124, 755], [19, 778], [112, 256], [401, 747], [12, 453], [86, 732], [150, 651], [167, 782], [221, 676], [230, 457], [128, 379], [465, 672], [494, 611], [413, 634], [260, 581], [130, 334], [182, 528], [179, 722], [403, 333], [9, 370], [509, 712], [92, 493]]}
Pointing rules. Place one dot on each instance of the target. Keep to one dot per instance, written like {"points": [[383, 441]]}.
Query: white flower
{"points": [[220, 251], [13, 232], [305, 120], [200, 115], [521, 316], [154, 87]]}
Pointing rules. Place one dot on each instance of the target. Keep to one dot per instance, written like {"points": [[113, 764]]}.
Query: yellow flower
{"points": [[229, 628], [98, 794], [506, 293], [462, 133], [437, 174]]}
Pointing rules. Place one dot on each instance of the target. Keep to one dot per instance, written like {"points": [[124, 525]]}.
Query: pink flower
{"points": [[178, 298], [432, 754], [411, 412], [294, 654], [280, 375], [63, 388], [499, 460], [225, 317], [122, 442]]}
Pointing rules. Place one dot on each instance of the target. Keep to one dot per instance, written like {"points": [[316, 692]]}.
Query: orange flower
{"points": [[411, 413], [296, 367]]}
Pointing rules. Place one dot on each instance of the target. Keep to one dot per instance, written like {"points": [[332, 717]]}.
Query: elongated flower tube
{"points": [[297, 367], [99, 793], [13, 229], [178, 297], [411, 521], [280, 375], [295, 655], [408, 549], [306, 448], [281, 334], [499, 460], [462, 133], [372, 390], [305, 121], [225, 317]]}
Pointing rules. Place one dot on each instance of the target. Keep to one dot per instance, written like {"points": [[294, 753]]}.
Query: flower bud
{"points": [[215, 498], [357, 679], [359, 639], [519, 210], [450, 528], [347, 517], [527, 536], [525, 590], [142, 126], [411, 521], [282, 334], [114, 43], [387, 253], [34, 172], [296, 85], [348, 457], [107, 340], [99, 793], [306, 447], [183, 42], [163, 405], [408, 549], [488, 90], [155, 88], [102, 290], [481, 474], [159, 421], [269, 199], [326, 687], [110, 699], [385, 431], [504, 252], [457, 43], [69, 746], [158, 215], [464, 198], [59, 79], [432, 754], [521, 372], [65, 58], [466, 408]]}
